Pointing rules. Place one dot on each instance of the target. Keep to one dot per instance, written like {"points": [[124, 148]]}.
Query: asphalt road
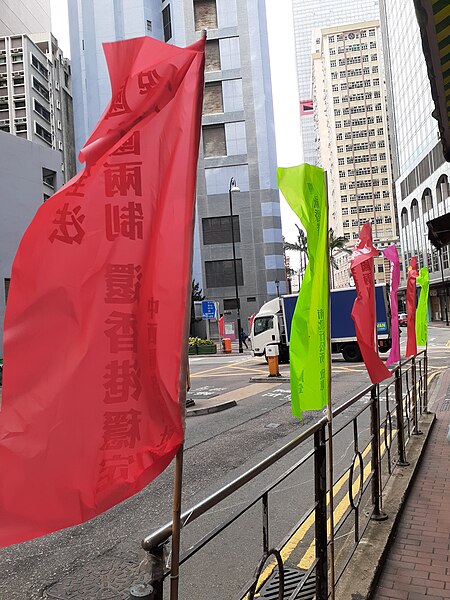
{"points": [[98, 560]]}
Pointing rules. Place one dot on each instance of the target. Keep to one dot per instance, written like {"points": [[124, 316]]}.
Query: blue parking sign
{"points": [[208, 309]]}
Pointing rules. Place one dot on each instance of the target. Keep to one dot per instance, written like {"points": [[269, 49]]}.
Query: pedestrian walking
{"points": [[243, 337]]}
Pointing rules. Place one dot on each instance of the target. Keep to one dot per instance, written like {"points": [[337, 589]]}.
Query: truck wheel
{"points": [[351, 353]]}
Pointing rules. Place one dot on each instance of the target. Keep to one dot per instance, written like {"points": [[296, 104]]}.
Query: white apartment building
{"points": [[35, 95], [352, 134]]}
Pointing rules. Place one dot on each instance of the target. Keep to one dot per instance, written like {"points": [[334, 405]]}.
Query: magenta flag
{"points": [[392, 255]]}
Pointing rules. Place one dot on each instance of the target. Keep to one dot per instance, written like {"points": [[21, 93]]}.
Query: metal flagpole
{"points": [[178, 476], [330, 408]]}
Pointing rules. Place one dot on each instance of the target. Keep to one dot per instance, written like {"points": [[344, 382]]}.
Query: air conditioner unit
{"points": [[18, 73], [3, 98], [4, 122], [20, 120], [16, 50], [3, 75]]}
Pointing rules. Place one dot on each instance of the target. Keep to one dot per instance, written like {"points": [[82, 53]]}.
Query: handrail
{"points": [[162, 534]]}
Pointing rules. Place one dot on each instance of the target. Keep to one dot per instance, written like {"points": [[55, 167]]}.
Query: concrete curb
{"points": [[361, 576], [268, 379], [207, 410]]}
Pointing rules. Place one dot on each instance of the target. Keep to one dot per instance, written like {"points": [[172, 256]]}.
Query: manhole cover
{"points": [[103, 579], [292, 579]]}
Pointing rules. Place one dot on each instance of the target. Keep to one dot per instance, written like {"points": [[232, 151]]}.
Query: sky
{"points": [[284, 85]]}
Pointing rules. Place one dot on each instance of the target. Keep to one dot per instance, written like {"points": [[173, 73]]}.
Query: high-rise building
{"points": [[238, 138], [420, 171], [35, 94], [309, 16], [352, 131], [24, 16], [29, 172]]}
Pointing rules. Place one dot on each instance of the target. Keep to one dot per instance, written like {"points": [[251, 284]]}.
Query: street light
{"points": [[234, 188], [277, 283]]}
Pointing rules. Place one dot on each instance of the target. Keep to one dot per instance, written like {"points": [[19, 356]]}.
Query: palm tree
{"points": [[335, 244], [301, 245]]}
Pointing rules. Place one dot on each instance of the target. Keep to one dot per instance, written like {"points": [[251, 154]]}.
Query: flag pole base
{"points": [[144, 591]]}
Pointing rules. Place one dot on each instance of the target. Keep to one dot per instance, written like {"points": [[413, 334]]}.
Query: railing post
{"points": [[425, 383], [377, 514], [416, 430], [155, 589], [402, 462], [320, 490]]}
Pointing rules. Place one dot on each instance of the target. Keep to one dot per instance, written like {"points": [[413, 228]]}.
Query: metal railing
{"points": [[381, 420]]}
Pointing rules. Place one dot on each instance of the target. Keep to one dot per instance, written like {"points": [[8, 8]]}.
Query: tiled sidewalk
{"points": [[418, 562]]}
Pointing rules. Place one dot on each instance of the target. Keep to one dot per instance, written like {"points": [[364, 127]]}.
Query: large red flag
{"points": [[95, 329], [411, 343], [363, 313]]}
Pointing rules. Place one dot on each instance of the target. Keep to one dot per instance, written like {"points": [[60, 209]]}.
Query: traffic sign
{"points": [[208, 310]]}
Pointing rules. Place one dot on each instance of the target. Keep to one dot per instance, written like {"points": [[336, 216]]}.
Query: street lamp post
{"points": [[277, 283], [234, 188]]}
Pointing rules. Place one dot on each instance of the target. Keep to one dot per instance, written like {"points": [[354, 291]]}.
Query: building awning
{"points": [[434, 22], [439, 231]]}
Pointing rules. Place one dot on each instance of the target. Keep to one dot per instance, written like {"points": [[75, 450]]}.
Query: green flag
{"points": [[422, 307], [304, 189]]}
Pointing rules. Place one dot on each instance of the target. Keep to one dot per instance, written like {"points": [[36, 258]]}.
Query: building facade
{"points": [[352, 132], [24, 16], [24, 170], [238, 140], [309, 16], [421, 174], [35, 95]]}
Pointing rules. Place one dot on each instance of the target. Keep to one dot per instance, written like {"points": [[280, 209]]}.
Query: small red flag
{"points": [[95, 328], [411, 343], [363, 313], [221, 323]]}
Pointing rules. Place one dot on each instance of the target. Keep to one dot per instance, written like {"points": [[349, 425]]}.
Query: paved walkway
{"points": [[418, 562]]}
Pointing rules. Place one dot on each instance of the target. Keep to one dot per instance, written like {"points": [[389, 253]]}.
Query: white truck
{"points": [[272, 325]]}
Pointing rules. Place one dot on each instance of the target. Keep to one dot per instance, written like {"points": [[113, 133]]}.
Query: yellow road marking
{"points": [[447, 345]]}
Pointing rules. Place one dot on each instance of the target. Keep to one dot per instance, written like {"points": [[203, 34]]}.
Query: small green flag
{"points": [[422, 307], [304, 189]]}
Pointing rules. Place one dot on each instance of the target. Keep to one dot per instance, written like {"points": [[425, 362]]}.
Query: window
{"points": [[212, 56], [262, 324], [43, 133], [213, 98], [21, 127], [49, 177], [39, 66], [45, 114], [205, 14], [214, 143], [7, 282], [167, 23], [41, 89], [220, 273], [217, 230]]}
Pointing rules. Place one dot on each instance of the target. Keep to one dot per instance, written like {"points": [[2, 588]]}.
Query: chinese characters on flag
{"points": [[95, 328], [363, 313]]}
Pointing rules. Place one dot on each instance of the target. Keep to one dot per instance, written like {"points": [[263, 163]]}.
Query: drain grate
{"points": [[292, 579]]}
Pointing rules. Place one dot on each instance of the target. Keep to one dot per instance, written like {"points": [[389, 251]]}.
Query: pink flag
{"points": [[95, 328], [392, 255], [411, 343], [363, 313]]}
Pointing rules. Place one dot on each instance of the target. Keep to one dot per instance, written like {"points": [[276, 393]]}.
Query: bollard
{"points": [[226, 346], [272, 360]]}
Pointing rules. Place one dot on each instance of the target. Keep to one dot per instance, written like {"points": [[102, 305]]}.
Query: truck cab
{"points": [[268, 329]]}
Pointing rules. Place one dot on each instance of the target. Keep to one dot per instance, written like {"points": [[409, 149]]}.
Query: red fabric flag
{"points": [[95, 328], [411, 343], [221, 323], [363, 313]]}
